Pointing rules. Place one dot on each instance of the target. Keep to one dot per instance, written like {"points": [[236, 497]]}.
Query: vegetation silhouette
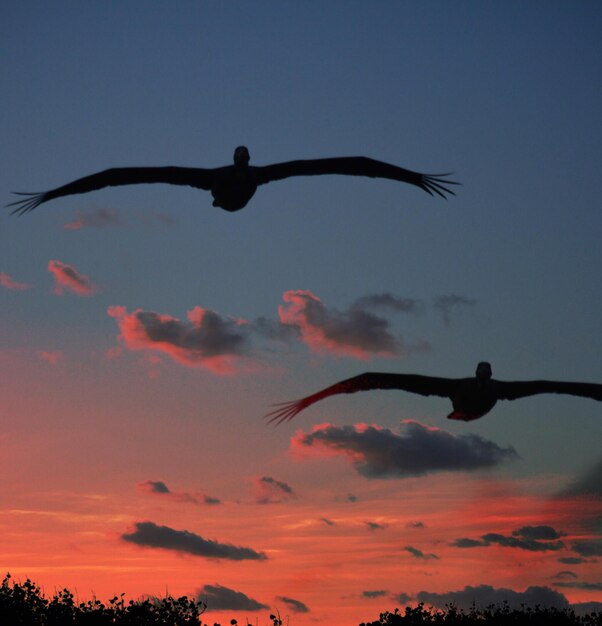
{"points": [[24, 604], [232, 186], [471, 397], [492, 615]]}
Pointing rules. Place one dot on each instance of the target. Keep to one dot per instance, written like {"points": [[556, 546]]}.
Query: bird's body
{"points": [[232, 186], [471, 397]]}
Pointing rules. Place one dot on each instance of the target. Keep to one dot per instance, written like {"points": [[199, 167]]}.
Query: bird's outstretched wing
{"points": [[192, 176], [414, 383], [354, 166], [506, 390]]}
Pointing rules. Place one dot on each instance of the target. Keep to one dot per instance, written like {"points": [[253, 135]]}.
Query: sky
{"points": [[144, 333]]}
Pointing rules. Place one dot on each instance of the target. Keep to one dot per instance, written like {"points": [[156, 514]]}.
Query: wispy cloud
{"points": [[218, 598], [389, 301], [565, 574], [99, 218], [376, 452], [531, 538], [67, 278], [206, 339], [419, 554], [572, 560], [377, 593], [447, 304], [8, 283], [158, 487], [268, 490], [150, 535], [296, 606], [580, 585]]}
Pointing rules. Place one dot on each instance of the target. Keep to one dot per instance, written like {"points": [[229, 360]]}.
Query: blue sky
{"points": [[507, 96]]}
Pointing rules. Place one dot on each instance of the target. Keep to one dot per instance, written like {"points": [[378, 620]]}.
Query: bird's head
{"points": [[241, 156], [483, 371]]}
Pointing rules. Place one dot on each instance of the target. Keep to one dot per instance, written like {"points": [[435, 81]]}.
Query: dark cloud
{"points": [[268, 490], [296, 606], [588, 484], [572, 560], [524, 544], [538, 532], [327, 521], [354, 332], [218, 598], [151, 535], [402, 598], [206, 339], [275, 330], [389, 301], [526, 538], [375, 526], [485, 595], [158, 487], [580, 585], [448, 303], [377, 452], [278, 484], [351, 497], [588, 547], [154, 486], [378, 593], [467, 542], [419, 554], [100, 218], [565, 574], [415, 525]]}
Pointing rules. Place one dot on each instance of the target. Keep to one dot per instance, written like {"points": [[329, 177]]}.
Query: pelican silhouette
{"points": [[471, 397], [232, 186]]}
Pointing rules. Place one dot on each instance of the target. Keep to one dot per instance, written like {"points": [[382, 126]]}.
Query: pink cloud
{"points": [[7, 282], [206, 339], [52, 357], [355, 332], [67, 278], [377, 452]]}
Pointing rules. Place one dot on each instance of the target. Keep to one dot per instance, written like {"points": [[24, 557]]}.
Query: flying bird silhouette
{"points": [[232, 186], [471, 397]]}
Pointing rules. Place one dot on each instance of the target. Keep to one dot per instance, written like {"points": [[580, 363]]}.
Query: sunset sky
{"points": [[144, 333]]}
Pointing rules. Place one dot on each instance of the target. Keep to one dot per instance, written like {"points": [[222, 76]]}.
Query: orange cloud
{"points": [[206, 339], [67, 278]]}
